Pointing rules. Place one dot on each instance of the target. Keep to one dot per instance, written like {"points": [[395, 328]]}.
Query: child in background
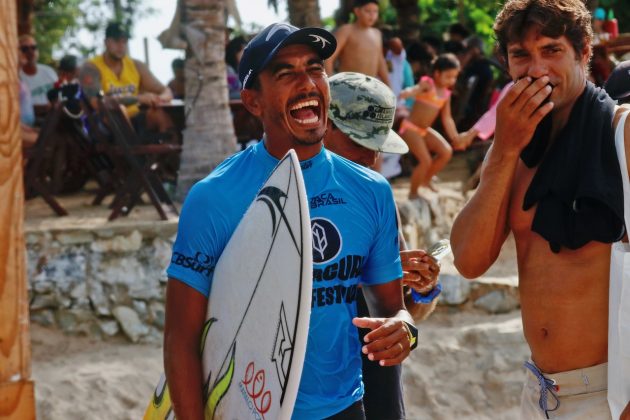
{"points": [[359, 44], [432, 98]]}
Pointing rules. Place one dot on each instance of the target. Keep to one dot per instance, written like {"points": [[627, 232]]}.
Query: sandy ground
{"points": [[467, 365]]}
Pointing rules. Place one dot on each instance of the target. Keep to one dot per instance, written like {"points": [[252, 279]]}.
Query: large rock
{"points": [[416, 220], [497, 302], [157, 312], [130, 323], [455, 289], [120, 243], [76, 321], [97, 298]]}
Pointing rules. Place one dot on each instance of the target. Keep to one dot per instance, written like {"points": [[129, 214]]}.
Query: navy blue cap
{"points": [[618, 83], [116, 30], [264, 46]]}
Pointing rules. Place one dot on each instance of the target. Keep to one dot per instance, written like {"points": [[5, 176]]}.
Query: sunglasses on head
{"points": [[27, 48]]}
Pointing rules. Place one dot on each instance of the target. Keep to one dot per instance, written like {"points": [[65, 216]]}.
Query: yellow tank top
{"points": [[128, 84]]}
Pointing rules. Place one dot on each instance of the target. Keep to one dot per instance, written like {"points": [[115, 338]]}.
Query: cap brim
{"points": [[323, 43], [618, 84], [390, 143], [394, 144]]}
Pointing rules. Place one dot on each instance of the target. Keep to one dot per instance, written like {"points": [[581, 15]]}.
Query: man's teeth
{"points": [[308, 121], [304, 105]]}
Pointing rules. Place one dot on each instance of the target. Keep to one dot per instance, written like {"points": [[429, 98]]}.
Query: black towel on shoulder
{"points": [[578, 185]]}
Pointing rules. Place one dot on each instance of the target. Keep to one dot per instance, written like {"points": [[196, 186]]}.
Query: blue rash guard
{"points": [[355, 240]]}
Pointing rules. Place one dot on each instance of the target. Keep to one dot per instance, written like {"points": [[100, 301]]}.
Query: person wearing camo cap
{"points": [[360, 118]]}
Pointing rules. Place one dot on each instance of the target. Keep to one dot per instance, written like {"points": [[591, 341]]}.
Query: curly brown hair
{"points": [[553, 18]]}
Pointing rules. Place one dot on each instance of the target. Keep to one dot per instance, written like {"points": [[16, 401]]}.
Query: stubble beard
{"points": [[311, 140]]}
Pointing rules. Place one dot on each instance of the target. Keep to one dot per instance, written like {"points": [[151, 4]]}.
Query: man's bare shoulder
{"points": [[619, 111], [344, 29], [140, 66]]}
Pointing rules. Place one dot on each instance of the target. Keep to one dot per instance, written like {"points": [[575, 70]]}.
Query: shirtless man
{"points": [[359, 44], [563, 283]]}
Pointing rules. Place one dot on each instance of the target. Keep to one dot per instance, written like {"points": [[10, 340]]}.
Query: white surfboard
{"points": [[254, 338]]}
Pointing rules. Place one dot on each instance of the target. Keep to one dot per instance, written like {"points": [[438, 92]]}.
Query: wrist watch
{"points": [[412, 335]]}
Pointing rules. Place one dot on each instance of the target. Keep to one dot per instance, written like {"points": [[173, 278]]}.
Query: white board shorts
{"points": [[582, 394]]}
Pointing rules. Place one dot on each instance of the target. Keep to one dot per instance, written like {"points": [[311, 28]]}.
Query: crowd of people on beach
{"points": [[308, 86], [555, 177]]}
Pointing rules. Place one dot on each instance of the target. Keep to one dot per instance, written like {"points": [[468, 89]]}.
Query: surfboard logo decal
{"points": [[282, 348], [271, 196], [221, 387]]}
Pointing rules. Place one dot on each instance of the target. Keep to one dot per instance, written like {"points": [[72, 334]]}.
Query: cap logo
{"points": [[246, 78], [378, 114], [278, 27], [318, 38]]}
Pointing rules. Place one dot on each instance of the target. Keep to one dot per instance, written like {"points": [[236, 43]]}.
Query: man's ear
{"points": [[251, 101], [587, 52]]}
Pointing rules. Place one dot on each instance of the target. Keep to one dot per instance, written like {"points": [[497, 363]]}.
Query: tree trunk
{"points": [[408, 14], [304, 13], [16, 389], [209, 134]]}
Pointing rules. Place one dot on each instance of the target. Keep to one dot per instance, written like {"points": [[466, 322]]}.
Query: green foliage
{"points": [[51, 21], [437, 15], [57, 23]]}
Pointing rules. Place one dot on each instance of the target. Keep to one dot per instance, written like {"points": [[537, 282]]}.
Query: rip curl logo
{"points": [[327, 240], [378, 114], [319, 39]]}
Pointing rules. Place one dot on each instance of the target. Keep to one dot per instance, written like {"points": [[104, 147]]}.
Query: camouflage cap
{"points": [[363, 108]]}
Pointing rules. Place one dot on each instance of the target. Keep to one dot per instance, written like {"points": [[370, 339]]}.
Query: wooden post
{"points": [[17, 397]]}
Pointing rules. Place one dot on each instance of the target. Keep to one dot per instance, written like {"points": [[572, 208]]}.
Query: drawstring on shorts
{"points": [[546, 385]]}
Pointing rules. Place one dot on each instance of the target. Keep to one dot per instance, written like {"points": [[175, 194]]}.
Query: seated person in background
{"points": [[68, 72], [400, 71], [420, 55], [475, 64], [39, 78], [353, 134], [27, 118], [128, 80], [178, 84], [400, 77], [458, 32], [233, 53], [432, 98], [68, 69], [27, 112]]}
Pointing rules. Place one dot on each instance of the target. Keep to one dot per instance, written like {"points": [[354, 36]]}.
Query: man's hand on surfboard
{"points": [[388, 342], [420, 270]]}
